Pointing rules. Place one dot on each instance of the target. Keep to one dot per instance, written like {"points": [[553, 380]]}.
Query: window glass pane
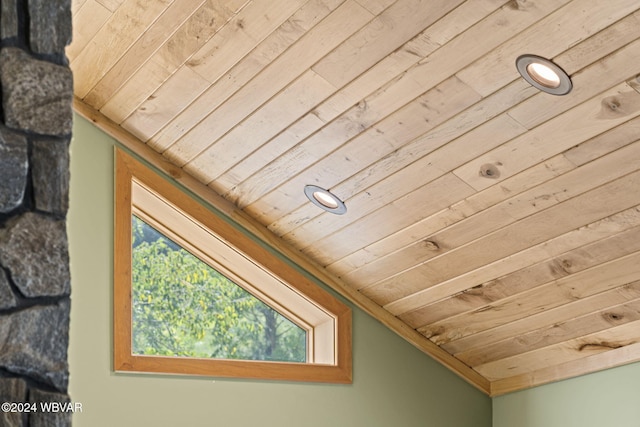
{"points": [[183, 307]]}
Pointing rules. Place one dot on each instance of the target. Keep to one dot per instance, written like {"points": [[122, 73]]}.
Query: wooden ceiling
{"points": [[495, 227]]}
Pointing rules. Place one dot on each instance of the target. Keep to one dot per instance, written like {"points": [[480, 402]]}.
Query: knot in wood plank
{"points": [[489, 170], [430, 245]]}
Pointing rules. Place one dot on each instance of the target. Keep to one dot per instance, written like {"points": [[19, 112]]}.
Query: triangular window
{"points": [[181, 306], [194, 294]]}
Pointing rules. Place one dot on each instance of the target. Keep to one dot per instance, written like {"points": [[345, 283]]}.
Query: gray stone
{"points": [[14, 165], [8, 19], [50, 417], [50, 175], [34, 249], [7, 297], [36, 95], [50, 29], [34, 343], [12, 390]]}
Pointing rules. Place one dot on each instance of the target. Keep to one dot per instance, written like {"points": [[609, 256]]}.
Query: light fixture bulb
{"points": [[324, 199], [544, 74]]}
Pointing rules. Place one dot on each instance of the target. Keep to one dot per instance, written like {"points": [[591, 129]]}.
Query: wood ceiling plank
{"points": [[364, 148], [558, 190], [456, 212], [591, 281], [375, 6], [296, 220], [112, 41], [568, 351], [198, 30], [76, 5], [615, 68], [427, 169], [112, 5], [381, 75], [554, 247], [409, 54], [569, 262], [172, 96], [93, 16], [251, 26], [321, 39], [257, 160], [265, 123], [340, 131], [494, 20], [600, 113], [477, 224], [397, 214], [395, 26], [206, 22], [576, 212], [134, 89], [456, 22], [140, 52], [490, 105], [578, 20], [602, 319], [236, 5], [368, 146], [560, 314], [450, 130], [168, 29], [597, 362], [247, 68], [610, 77], [480, 39], [466, 121], [599, 145], [600, 44], [385, 71]]}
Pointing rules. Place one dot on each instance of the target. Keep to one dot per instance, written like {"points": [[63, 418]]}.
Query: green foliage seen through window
{"points": [[183, 307]]}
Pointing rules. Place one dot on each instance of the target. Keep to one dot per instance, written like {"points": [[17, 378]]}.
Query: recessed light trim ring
{"points": [[325, 200], [544, 74]]}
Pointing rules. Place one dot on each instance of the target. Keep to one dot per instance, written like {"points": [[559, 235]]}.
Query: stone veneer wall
{"points": [[36, 87]]}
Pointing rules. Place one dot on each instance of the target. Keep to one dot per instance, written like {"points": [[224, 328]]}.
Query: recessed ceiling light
{"points": [[544, 74], [325, 199]]}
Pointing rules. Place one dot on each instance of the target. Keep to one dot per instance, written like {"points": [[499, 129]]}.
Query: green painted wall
{"points": [[394, 384], [607, 398]]}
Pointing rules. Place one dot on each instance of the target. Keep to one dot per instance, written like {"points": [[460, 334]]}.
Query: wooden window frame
{"points": [[328, 321]]}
